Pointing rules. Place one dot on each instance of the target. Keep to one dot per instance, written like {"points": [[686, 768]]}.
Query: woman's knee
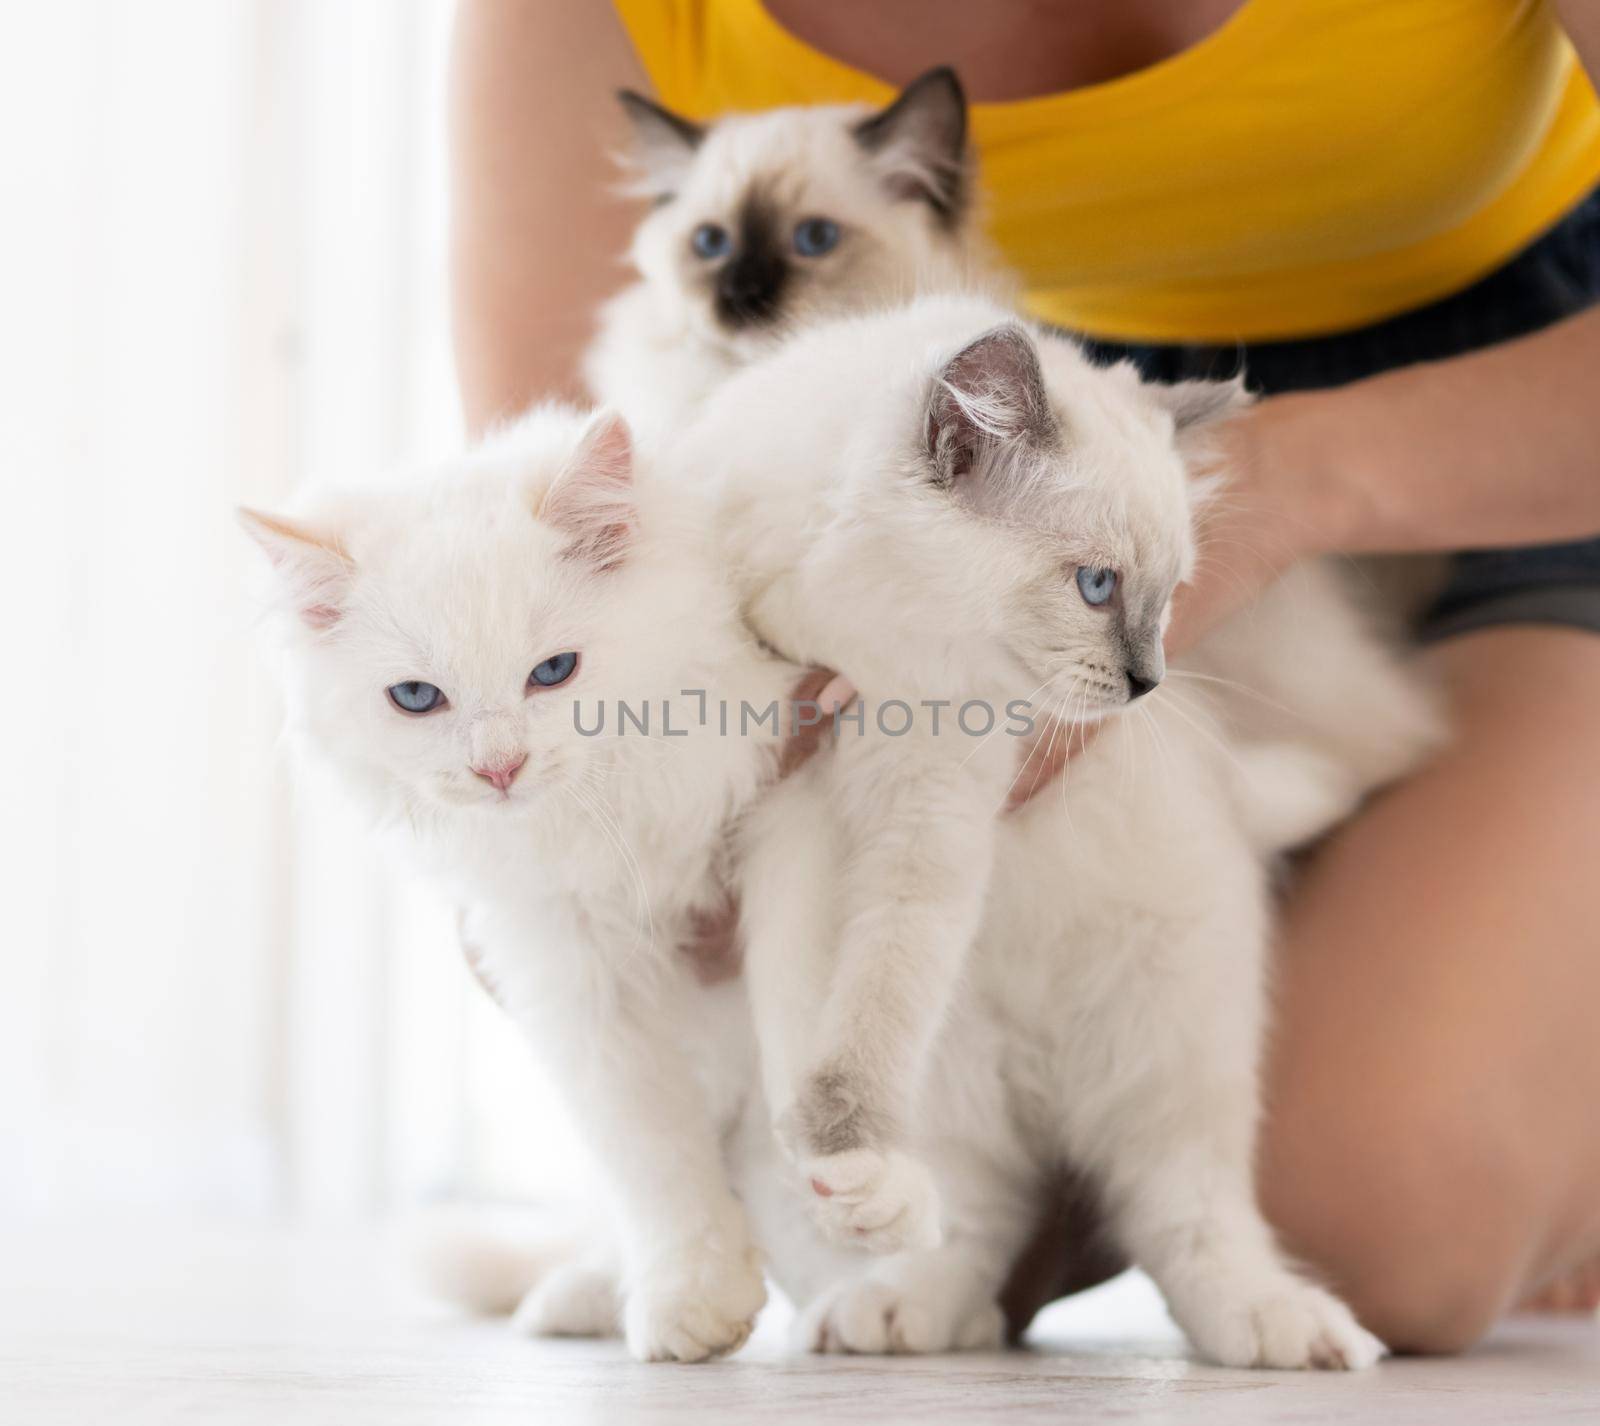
{"points": [[1412, 1211]]}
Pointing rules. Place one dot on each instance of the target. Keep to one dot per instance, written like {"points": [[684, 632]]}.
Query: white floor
{"points": [[211, 1327]]}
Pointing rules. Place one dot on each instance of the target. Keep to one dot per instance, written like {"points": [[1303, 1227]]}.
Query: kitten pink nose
{"points": [[502, 774]]}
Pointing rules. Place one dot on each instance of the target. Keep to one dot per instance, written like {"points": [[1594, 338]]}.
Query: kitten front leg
{"points": [[863, 1195], [1192, 1223], [916, 865], [1173, 1149], [789, 871], [934, 1300], [692, 1282], [940, 1299]]}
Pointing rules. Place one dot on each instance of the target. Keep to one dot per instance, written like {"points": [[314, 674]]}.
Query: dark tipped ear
{"points": [[919, 143], [591, 500], [1195, 407], [664, 143], [1193, 404], [312, 567], [987, 400]]}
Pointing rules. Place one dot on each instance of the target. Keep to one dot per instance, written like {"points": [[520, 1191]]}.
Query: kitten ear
{"points": [[591, 499], [1193, 404], [919, 143], [1195, 407], [311, 564], [664, 144], [988, 400]]}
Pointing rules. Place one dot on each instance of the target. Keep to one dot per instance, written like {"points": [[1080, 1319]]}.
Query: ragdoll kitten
{"points": [[443, 637], [960, 512], [765, 222]]}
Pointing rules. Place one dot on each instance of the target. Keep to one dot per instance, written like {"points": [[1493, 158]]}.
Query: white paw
{"points": [[573, 1300], [872, 1318], [1295, 1326], [885, 1203], [696, 1303]]}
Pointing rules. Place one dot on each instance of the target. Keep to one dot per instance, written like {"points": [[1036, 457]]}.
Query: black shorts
{"points": [[1554, 277]]}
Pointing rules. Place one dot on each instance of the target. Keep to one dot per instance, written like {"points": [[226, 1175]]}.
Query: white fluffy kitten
{"points": [[951, 508], [442, 636], [765, 222]]}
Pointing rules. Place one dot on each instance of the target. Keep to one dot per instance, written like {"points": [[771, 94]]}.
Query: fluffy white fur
{"points": [[904, 498], [935, 473], [1115, 993], [898, 190], [585, 873], [1116, 989]]}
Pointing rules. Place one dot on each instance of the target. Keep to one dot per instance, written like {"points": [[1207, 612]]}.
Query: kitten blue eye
{"points": [[558, 668], [1096, 585], [415, 696], [709, 241], [816, 236]]}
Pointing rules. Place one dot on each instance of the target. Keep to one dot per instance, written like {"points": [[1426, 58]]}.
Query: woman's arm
{"points": [[1500, 447], [538, 234]]}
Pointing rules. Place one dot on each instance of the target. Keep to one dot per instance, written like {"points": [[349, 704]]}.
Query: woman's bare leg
{"points": [[1575, 1291], [1433, 1138]]}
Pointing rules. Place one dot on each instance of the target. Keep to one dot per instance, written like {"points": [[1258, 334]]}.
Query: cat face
{"points": [[765, 221], [1072, 509], [442, 631]]}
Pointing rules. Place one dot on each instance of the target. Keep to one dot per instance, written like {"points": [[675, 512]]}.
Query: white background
{"points": [[224, 260]]}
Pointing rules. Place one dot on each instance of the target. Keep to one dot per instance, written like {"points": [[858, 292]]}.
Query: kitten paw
{"points": [[1296, 1327], [873, 1318], [695, 1304], [573, 1300], [883, 1202]]}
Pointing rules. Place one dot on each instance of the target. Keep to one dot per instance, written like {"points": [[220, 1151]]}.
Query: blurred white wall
{"points": [[223, 274]]}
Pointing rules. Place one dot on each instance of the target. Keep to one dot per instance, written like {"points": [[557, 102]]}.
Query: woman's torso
{"points": [[1296, 167]]}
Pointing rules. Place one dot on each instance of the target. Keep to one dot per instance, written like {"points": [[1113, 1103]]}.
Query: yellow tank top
{"points": [[1311, 166]]}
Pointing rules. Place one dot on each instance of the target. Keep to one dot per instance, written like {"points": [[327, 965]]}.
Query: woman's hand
{"points": [[822, 694], [1275, 506]]}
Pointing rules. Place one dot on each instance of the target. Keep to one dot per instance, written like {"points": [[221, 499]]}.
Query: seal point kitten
{"points": [[765, 223]]}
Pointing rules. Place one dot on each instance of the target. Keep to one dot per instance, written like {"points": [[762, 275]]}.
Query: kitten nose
{"points": [[1138, 686], [748, 288], [502, 774]]}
